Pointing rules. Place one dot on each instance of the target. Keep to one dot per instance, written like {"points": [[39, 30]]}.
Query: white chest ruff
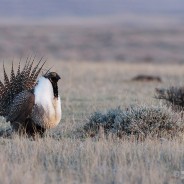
{"points": [[47, 113]]}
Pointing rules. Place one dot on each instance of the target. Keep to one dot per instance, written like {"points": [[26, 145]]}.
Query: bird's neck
{"points": [[55, 89]]}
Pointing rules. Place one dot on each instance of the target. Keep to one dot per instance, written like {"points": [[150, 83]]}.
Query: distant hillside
{"points": [[86, 8]]}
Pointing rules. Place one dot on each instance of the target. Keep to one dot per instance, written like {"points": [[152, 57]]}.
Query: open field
{"points": [[67, 158], [128, 39], [97, 47]]}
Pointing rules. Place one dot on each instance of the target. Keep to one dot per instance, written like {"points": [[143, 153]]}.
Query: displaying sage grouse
{"points": [[31, 105]]}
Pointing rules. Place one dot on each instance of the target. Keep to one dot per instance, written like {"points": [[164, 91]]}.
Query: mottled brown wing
{"points": [[21, 107]]}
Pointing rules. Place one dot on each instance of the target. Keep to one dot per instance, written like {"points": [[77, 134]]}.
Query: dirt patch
{"points": [[147, 78]]}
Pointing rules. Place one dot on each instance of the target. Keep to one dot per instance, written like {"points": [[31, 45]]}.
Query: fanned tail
{"points": [[24, 79]]}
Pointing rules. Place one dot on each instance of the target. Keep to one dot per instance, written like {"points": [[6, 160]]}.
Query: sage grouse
{"points": [[31, 106]]}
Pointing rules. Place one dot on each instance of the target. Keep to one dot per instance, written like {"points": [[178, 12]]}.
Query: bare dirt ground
{"points": [[67, 158]]}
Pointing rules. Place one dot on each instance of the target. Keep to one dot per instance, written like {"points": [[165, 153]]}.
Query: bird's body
{"points": [[31, 106]]}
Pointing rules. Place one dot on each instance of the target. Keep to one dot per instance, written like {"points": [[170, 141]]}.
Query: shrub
{"points": [[139, 121], [173, 96]]}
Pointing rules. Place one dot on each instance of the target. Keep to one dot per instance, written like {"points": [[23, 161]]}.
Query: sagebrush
{"points": [[139, 121], [173, 96]]}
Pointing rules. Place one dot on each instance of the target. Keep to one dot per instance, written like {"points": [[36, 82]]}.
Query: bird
{"points": [[31, 104]]}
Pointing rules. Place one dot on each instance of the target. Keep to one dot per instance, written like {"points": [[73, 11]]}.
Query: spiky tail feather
{"points": [[24, 79]]}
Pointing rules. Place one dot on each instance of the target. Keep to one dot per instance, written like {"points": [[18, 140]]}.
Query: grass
{"points": [[66, 157], [157, 40]]}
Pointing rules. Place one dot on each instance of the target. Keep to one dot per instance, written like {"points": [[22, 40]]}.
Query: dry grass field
{"points": [[152, 40], [65, 157]]}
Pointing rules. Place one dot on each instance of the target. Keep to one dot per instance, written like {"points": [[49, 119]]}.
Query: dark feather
{"points": [[21, 107], [6, 80], [18, 70], [25, 79], [12, 77], [35, 69]]}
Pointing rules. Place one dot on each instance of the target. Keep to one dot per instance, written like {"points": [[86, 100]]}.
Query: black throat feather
{"points": [[55, 89]]}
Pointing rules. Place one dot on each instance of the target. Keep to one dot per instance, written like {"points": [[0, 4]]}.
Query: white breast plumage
{"points": [[44, 98]]}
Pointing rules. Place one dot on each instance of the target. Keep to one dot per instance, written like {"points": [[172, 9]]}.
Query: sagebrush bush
{"points": [[139, 121], [173, 96]]}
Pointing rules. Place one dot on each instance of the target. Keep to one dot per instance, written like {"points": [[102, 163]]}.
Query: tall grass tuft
{"points": [[139, 121]]}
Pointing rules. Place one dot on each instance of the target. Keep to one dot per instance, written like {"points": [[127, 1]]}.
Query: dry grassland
{"points": [[90, 41], [68, 158]]}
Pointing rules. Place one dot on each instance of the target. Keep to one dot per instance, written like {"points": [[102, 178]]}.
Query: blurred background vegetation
{"points": [[98, 30]]}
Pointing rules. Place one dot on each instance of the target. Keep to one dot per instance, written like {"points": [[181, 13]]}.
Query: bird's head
{"points": [[52, 76]]}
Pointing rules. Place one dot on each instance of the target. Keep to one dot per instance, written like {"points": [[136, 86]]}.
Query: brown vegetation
{"points": [[94, 42], [64, 156], [173, 96]]}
